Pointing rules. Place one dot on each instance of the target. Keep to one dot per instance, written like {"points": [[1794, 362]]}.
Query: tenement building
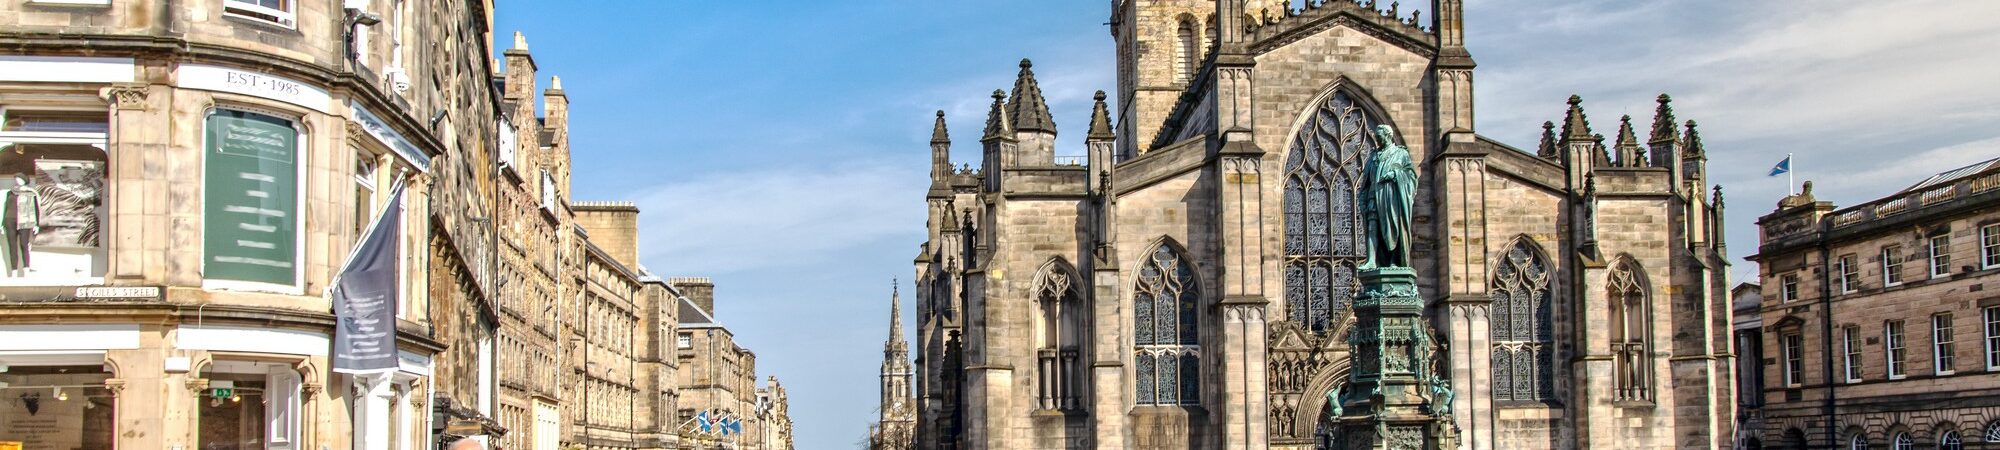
{"points": [[1878, 330], [1185, 279], [720, 404], [187, 181], [187, 178]]}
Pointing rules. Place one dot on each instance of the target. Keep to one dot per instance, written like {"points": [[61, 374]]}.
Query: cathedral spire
{"points": [[1027, 110], [938, 133], [997, 125], [895, 344], [940, 152], [1694, 148], [1100, 119], [1628, 145], [1576, 127], [1548, 148], [1663, 121]]}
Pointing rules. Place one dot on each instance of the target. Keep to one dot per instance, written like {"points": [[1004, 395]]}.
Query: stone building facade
{"points": [[718, 381], [1184, 280], [1876, 325], [1748, 321], [202, 170]]}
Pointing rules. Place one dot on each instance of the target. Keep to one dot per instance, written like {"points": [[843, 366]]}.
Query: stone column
{"points": [[140, 403], [138, 131], [1461, 188], [374, 396], [1245, 406], [1590, 372], [1108, 384]]}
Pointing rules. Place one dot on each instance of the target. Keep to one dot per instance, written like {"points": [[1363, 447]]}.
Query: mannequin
{"points": [[20, 220]]}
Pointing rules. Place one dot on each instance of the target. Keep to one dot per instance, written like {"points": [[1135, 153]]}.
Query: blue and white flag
{"points": [[1783, 167], [702, 420], [364, 296]]}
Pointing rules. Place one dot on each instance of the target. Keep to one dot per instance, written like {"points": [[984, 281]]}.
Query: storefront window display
{"points": [[52, 185], [57, 407]]}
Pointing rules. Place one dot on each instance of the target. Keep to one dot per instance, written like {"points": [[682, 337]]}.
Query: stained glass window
{"points": [[1322, 234], [1522, 339], [1631, 316], [1164, 307]]}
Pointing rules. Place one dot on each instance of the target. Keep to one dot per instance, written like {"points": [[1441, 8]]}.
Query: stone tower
{"points": [[1160, 45], [895, 428]]}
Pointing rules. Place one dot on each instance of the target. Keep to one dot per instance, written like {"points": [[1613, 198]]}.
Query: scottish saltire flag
{"points": [[1783, 167], [735, 426], [702, 420]]}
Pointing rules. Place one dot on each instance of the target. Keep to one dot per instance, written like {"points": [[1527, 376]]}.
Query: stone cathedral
{"points": [[1189, 280]]}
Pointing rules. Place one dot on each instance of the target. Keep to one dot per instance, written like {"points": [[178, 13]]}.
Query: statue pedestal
{"points": [[1393, 401]]}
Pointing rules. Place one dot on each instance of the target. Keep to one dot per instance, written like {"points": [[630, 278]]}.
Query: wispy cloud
{"points": [[1871, 95], [776, 218]]}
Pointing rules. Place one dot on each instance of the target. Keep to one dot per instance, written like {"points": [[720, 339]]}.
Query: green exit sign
{"points": [[222, 393]]}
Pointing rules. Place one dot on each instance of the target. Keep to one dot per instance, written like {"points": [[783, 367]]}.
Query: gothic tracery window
{"points": [[1322, 230], [1167, 354], [1522, 340], [1058, 336], [1631, 318]]}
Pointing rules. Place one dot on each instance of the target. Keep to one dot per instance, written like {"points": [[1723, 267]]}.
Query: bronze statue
{"points": [[1387, 201]]}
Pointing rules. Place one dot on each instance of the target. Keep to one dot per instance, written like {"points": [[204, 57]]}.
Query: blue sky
{"points": [[781, 147]]}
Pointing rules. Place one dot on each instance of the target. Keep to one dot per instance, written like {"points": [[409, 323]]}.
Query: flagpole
{"points": [[1791, 165]]}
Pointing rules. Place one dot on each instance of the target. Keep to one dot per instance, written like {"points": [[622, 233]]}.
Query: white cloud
{"points": [[1872, 95], [776, 218]]}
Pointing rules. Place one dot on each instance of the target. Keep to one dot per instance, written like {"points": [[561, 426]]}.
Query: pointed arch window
{"points": [[1321, 226], [1522, 339], [1167, 354], [1631, 327], [1059, 331]]}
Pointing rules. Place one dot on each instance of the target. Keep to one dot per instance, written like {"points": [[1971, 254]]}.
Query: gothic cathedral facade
{"points": [[1187, 282]]}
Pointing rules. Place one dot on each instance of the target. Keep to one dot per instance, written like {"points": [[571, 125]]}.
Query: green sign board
{"points": [[222, 393], [251, 202]]}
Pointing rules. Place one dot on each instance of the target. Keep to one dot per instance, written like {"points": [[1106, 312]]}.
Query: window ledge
{"points": [[1511, 404], [1060, 412], [52, 281], [1634, 404]]}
